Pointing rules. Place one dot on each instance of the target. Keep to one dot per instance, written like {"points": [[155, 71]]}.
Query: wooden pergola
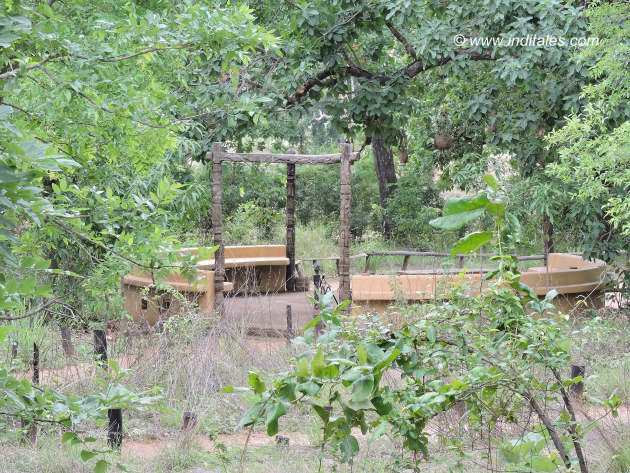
{"points": [[346, 157]]}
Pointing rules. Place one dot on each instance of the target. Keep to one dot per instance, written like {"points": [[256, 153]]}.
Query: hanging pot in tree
{"points": [[442, 141]]}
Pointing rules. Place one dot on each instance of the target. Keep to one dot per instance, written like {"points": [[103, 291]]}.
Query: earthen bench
{"points": [[145, 303], [570, 275], [252, 268]]}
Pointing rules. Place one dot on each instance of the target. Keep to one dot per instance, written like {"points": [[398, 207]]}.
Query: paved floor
{"points": [[269, 312]]}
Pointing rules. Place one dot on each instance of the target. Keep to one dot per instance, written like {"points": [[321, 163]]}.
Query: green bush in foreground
{"points": [[500, 354]]}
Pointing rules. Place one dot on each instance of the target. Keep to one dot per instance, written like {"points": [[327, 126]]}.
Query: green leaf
{"points": [[496, 208], [87, 455], [382, 407], [458, 205], [101, 466], [389, 358], [69, 437], [456, 221], [277, 410], [543, 464], [312, 323], [251, 415], [362, 354], [309, 388], [323, 413], [301, 368], [349, 447], [318, 363], [228, 389], [254, 381], [491, 181], [362, 388], [471, 242]]}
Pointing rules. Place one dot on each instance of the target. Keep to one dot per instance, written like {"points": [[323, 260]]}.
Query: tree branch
{"points": [[12, 70], [306, 87], [124, 57], [329, 77], [572, 430], [555, 438], [401, 38], [41, 308]]}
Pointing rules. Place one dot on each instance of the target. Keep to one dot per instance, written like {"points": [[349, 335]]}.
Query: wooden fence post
{"points": [[405, 263], [577, 389], [366, 268], [345, 175], [290, 237], [217, 225], [32, 427], [100, 347], [114, 416], [290, 332]]}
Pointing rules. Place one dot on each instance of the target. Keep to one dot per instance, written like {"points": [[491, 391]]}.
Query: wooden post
{"points": [[115, 429], [577, 389], [217, 225], [100, 347], [66, 342], [290, 333], [405, 263], [35, 364], [32, 427], [114, 416], [290, 239], [366, 268], [345, 175]]}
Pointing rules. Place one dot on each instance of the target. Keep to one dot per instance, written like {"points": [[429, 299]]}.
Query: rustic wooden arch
{"points": [[346, 157]]}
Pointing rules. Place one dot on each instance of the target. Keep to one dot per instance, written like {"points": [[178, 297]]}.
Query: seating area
{"points": [[254, 269], [145, 303], [570, 275]]}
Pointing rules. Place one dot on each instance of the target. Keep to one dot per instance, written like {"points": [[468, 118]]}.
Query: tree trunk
{"points": [[547, 237], [66, 342], [386, 175]]}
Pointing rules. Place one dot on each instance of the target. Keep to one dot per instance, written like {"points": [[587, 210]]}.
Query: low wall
{"points": [[249, 269], [253, 269], [146, 304], [570, 275]]}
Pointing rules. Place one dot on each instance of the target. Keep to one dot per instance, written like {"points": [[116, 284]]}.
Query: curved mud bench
{"points": [[252, 269], [146, 304], [572, 276]]}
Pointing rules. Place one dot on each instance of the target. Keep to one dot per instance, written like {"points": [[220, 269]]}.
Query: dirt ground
{"points": [[269, 311]]}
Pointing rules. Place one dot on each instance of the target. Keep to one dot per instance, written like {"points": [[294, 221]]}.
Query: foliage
{"points": [[414, 202], [497, 353], [30, 404], [594, 145]]}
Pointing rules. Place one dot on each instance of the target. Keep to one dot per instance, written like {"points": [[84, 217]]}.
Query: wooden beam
{"points": [[405, 263], [290, 238], [217, 225], [289, 158], [345, 175], [444, 255]]}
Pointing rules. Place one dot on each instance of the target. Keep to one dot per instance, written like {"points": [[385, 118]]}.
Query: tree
{"points": [[594, 145], [90, 123], [359, 61]]}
